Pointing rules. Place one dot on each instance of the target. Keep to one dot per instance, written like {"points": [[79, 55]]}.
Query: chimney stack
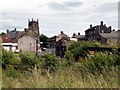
{"points": [[90, 25], [110, 27], [15, 29], [7, 31], [61, 32], [78, 33], [113, 29], [25, 29], [101, 23]]}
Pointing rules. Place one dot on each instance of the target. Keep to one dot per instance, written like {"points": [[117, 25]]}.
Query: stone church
{"points": [[29, 41]]}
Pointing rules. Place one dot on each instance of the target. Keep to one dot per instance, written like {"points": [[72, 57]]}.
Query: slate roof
{"points": [[78, 36], [62, 36], [92, 28], [112, 35], [15, 34], [30, 33]]}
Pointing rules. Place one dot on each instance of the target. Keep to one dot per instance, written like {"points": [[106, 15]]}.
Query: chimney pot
{"points": [[61, 32], [113, 29], [90, 25], [101, 23], [25, 29], [78, 33], [15, 29], [7, 31], [110, 27]]}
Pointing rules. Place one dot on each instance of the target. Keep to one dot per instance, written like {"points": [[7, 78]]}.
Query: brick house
{"points": [[93, 33], [10, 39]]}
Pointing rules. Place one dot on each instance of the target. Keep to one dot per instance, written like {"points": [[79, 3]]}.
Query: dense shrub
{"points": [[69, 59], [80, 48], [8, 57], [51, 62], [28, 58], [100, 61]]}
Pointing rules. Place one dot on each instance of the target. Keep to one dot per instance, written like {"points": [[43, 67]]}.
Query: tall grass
{"points": [[98, 71], [0, 78], [0, 63], [63, 78]]}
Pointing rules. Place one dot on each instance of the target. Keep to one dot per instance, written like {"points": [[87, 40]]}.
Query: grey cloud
{"points": [[6, 26], [73, 4], [64, 5], [108, 7], [58, 6]]}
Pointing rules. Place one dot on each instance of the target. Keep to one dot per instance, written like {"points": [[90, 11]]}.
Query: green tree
{"points": [[28, 58], [80, 48], [44, 38], [51, 62], [8, 57]]}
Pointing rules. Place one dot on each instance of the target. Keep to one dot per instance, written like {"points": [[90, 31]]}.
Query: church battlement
{"points": [[33, 25]]}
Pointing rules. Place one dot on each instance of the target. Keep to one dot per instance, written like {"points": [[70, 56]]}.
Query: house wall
{"points": [[6, 48], [10, 46], [93, 33], [112, 42], [27, 43], [6, 39]]}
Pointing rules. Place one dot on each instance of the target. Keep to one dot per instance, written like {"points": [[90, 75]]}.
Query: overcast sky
{"points": [[69, 16]]}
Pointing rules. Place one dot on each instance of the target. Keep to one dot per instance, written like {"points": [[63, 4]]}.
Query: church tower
{"points": [[33, 30], [34, 26]]}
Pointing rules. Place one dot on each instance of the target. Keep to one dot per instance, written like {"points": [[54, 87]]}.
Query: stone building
{"points": [[61, 44], [27, 43], [78, 37], [111, 38], [93, 33], [30, 41]]}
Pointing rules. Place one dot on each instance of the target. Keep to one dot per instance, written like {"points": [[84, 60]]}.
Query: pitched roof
{"points": [[78, 36], [15, 34], [28, 33], [112, 35], [62, 36], [92, 28]]}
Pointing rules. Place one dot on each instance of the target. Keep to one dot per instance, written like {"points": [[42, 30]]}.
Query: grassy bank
{"points": [[64, 78], [26, 70]]}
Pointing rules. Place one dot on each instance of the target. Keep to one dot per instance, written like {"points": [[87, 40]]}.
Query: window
{"points": [[102, 31], [6, 37]]}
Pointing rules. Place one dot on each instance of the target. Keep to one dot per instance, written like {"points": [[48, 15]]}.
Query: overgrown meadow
{"points": [[26, 70]]}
